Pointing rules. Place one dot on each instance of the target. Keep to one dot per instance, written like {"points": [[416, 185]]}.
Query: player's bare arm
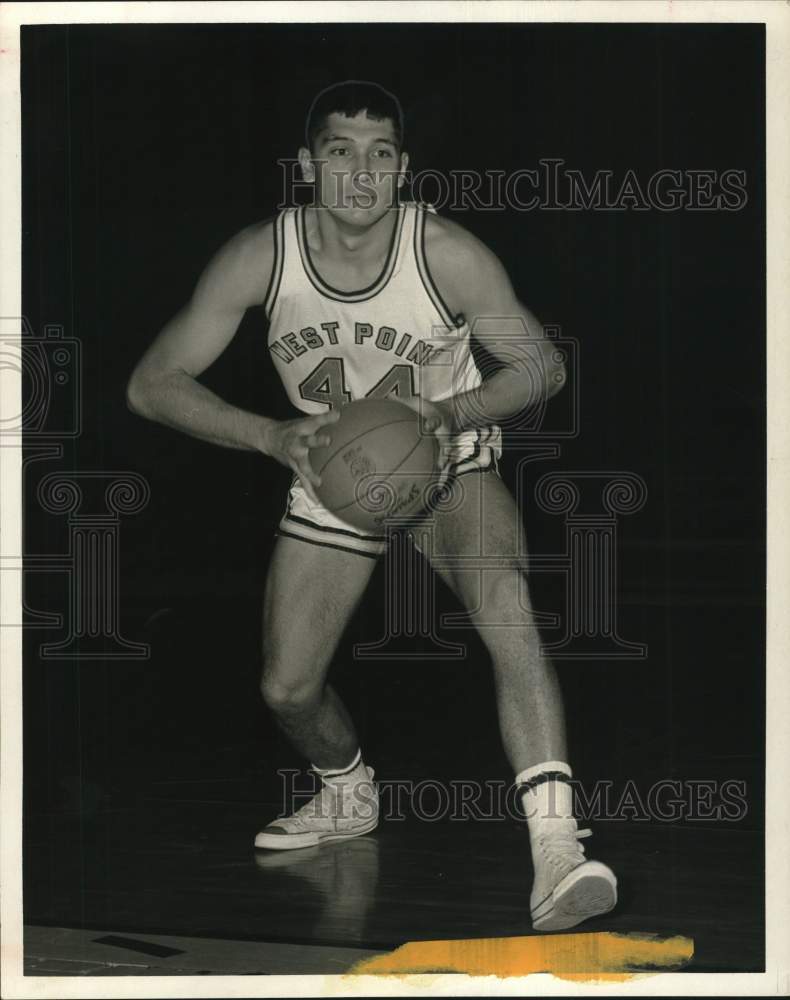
{"points": [[473, 282], [164, 386]]}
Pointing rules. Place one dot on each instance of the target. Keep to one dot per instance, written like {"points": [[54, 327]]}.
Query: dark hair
{"points": [[349, 98]]}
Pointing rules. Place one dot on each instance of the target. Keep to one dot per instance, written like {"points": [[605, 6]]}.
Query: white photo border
{"points": [[776, 17]]}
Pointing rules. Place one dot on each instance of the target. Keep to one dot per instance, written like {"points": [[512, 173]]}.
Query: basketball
{"points": [[379, 465]]}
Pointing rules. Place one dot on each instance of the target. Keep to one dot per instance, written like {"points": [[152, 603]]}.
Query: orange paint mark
{"points": [[582, 957]]}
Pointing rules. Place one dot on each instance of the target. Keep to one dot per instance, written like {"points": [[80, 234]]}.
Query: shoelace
{"points": [[328, 796], [562, 849], [317, 805]]}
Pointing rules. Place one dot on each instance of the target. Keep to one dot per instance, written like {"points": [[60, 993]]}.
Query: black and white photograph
{"points": [[392, 544]]}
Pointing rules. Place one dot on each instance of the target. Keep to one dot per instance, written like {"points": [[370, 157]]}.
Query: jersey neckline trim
{"points": [[336, 293]]}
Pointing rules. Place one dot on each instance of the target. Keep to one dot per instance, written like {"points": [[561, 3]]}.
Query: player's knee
{"points": [[285, 697], [505, 602]]}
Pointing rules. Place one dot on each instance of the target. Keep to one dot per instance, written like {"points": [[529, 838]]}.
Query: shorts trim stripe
{"points": [[476, 451], [335, 531], [328, 545], [463, 467]]}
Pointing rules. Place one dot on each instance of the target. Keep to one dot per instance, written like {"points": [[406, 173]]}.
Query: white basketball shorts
{"points": [[473, 451]]}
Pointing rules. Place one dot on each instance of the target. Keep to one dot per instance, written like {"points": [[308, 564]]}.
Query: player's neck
{"points": [[334, 239]]}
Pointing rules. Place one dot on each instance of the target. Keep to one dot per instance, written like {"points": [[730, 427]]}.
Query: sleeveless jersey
{"points": [[394, 338]]}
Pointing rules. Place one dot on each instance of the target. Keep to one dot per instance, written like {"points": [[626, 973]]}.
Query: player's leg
{"points": [[529, 701], [567, 888], [311, 592]]}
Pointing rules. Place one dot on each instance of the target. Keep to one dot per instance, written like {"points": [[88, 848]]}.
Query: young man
{"points": [[351, 285]]}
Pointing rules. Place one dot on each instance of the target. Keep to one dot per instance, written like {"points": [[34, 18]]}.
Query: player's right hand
{"points": [[290, 441]]}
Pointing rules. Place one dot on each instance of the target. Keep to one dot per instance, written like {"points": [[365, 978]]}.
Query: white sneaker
{"points": [[567, 889], [339, 811]]}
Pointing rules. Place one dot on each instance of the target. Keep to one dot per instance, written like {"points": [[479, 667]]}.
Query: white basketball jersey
{"points": [[394, 338]]}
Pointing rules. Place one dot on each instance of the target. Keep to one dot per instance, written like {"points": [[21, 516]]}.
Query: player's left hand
{"points": [[436, 420]]}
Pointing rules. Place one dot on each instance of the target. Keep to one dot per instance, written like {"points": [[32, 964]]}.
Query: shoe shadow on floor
{"points": [[343, 876]]}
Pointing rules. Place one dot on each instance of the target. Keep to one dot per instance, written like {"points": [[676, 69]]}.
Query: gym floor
{"points": [[139, 854], [173, 885]]}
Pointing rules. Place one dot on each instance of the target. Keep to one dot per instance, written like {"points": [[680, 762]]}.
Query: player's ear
{"points": [[404, 165], [307, 165]]}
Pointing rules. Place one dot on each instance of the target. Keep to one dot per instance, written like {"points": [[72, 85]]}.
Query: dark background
{"points": [[145, 147]]}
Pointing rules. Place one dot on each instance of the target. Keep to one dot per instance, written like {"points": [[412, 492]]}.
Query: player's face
{"points": [[357, 167]]}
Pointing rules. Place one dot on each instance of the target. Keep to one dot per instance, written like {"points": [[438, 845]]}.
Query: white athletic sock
{"points": [[547, 795], [349, 775]]}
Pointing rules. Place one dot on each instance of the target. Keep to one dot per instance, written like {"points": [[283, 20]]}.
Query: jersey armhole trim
{"points": [[453, 322], [277, 267]]}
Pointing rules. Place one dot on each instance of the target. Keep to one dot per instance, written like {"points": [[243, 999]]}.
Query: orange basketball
{"points": [[380, 464]]}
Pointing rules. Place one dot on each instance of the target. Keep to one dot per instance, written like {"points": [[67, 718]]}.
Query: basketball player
{"points": [[359, 289]]}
